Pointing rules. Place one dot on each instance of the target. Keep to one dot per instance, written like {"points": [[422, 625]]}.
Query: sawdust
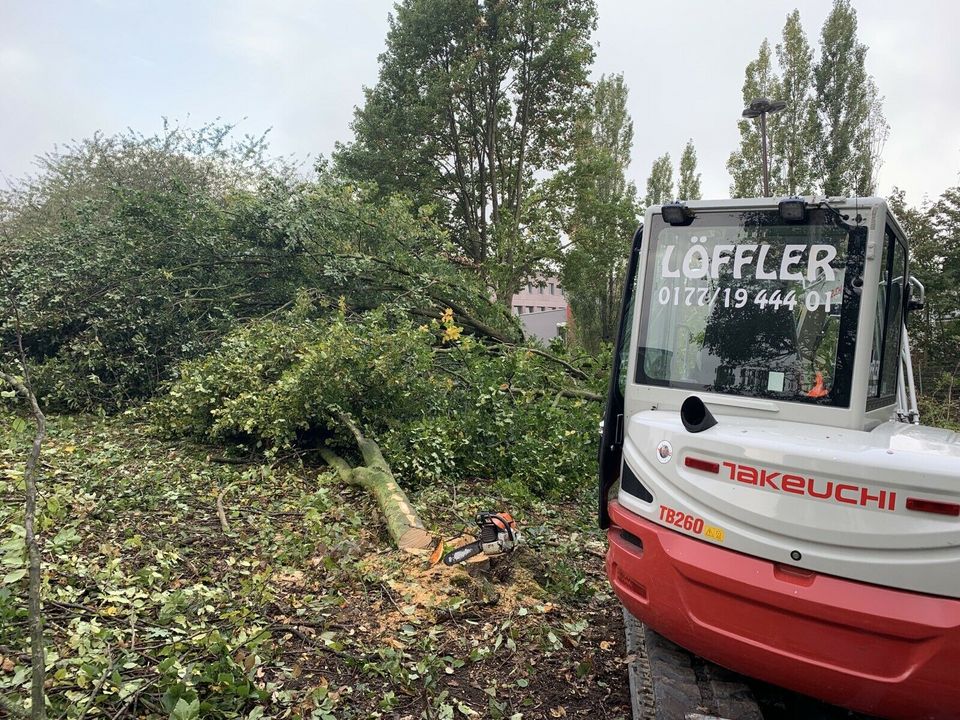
{"points": [[423, 592]]}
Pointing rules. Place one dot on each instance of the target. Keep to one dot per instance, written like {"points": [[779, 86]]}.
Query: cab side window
{"points": [[627, 342], [888, 326]]}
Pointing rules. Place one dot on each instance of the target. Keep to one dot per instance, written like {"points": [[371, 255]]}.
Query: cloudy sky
{"points": [[296, 67]]}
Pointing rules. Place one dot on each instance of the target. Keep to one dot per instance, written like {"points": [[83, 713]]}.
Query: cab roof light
{"points": [[933, 506], [793, 210], [677, 213], [705, 465]]}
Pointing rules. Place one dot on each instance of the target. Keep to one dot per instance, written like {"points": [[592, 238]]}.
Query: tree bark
{"points": [[404, 525]]}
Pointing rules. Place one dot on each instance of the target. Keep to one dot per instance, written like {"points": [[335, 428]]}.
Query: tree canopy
{"points": [[850, 125], [659, 182], [688, 185], [829, 138], [474, 109]]}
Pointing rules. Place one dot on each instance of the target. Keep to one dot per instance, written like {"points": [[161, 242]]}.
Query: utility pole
{"points": [[761, 108]]}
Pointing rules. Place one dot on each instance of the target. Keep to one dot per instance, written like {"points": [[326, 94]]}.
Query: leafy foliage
{"points": [[127, 253], [274, 380], [850, 122], [443, 408], [794, 135], [131, 253], [503, 420], [933, 230], [830, 136], [660, 182], [660, 185], [688, 186], [745, 165]]}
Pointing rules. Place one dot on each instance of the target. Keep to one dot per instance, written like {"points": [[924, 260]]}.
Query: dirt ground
{"points": [[485, 639]]}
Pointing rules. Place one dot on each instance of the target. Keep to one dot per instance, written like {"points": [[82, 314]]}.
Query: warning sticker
{"points": [[714, 533]]}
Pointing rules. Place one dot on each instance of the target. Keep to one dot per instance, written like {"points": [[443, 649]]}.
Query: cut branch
{"points": [[571, 393], [403, 523], [578, 394], [221, 513], [571, 370], [467, 319]]}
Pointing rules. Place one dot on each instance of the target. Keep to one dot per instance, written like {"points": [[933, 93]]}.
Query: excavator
{"points": [[772, 502]]}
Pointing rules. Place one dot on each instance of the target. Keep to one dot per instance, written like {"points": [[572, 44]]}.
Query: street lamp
{"points": [[761, 108]]}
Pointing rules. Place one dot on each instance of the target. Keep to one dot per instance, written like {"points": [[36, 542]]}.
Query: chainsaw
{"points": [[498, 535]]}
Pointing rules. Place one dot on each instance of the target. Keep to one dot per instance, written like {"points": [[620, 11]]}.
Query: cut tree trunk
{"points": [[404, 525]]}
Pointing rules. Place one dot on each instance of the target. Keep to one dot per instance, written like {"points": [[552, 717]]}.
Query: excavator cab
{"points": [[772, 502]]}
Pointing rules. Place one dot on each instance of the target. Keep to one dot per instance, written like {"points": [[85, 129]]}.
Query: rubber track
{"points": [[669, 683]]}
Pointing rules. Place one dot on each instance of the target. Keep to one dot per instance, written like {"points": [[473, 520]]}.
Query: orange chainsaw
{"points": [[498, 535]]}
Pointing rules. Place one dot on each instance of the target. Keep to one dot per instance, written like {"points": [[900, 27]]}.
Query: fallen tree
{"points": [[424, 405], [404, 525]]}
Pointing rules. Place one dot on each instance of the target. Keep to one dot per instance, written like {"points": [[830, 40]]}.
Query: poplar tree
{"points": [[794, 141], [850, 120], [830, 136], [604, 214], [745, 165], [660, 182], [688, 186]]}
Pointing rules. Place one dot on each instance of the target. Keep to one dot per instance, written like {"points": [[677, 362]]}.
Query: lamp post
{"points": [[761, 108]]}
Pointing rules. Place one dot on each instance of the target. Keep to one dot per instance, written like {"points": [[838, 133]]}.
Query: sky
{"points": [[297, 68]]}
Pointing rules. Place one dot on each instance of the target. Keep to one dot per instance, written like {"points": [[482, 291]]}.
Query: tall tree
{"points": [[604, 214], [660, 182], [945, 218], [746, 165], [473, 111], [873, 139], [849, 108], [688, 186], [932, 230], [794, 140]]}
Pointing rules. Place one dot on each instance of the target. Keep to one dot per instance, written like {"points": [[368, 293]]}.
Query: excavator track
{"points": [[669, 683]]}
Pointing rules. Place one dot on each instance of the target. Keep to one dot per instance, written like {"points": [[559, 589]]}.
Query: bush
{"points": [[130, 254], [442, 407], [940, 404]]}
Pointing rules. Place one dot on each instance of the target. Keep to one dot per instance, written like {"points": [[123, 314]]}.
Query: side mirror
{"points": [[916, 295]]}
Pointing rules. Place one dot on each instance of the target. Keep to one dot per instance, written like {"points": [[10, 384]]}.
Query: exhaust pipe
{"points": [[695, 415]]}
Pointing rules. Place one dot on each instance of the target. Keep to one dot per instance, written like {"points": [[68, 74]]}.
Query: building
{"points": [[542, 308]]}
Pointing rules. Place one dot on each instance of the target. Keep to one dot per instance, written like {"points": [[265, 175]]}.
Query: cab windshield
{"points": [[743, 303]]}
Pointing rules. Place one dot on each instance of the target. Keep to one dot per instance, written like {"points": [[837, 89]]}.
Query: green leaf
{"points": [[184, 710], [14, 576]]}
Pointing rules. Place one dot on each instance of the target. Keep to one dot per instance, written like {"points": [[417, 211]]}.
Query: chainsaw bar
{"points": [[462, 553]]}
